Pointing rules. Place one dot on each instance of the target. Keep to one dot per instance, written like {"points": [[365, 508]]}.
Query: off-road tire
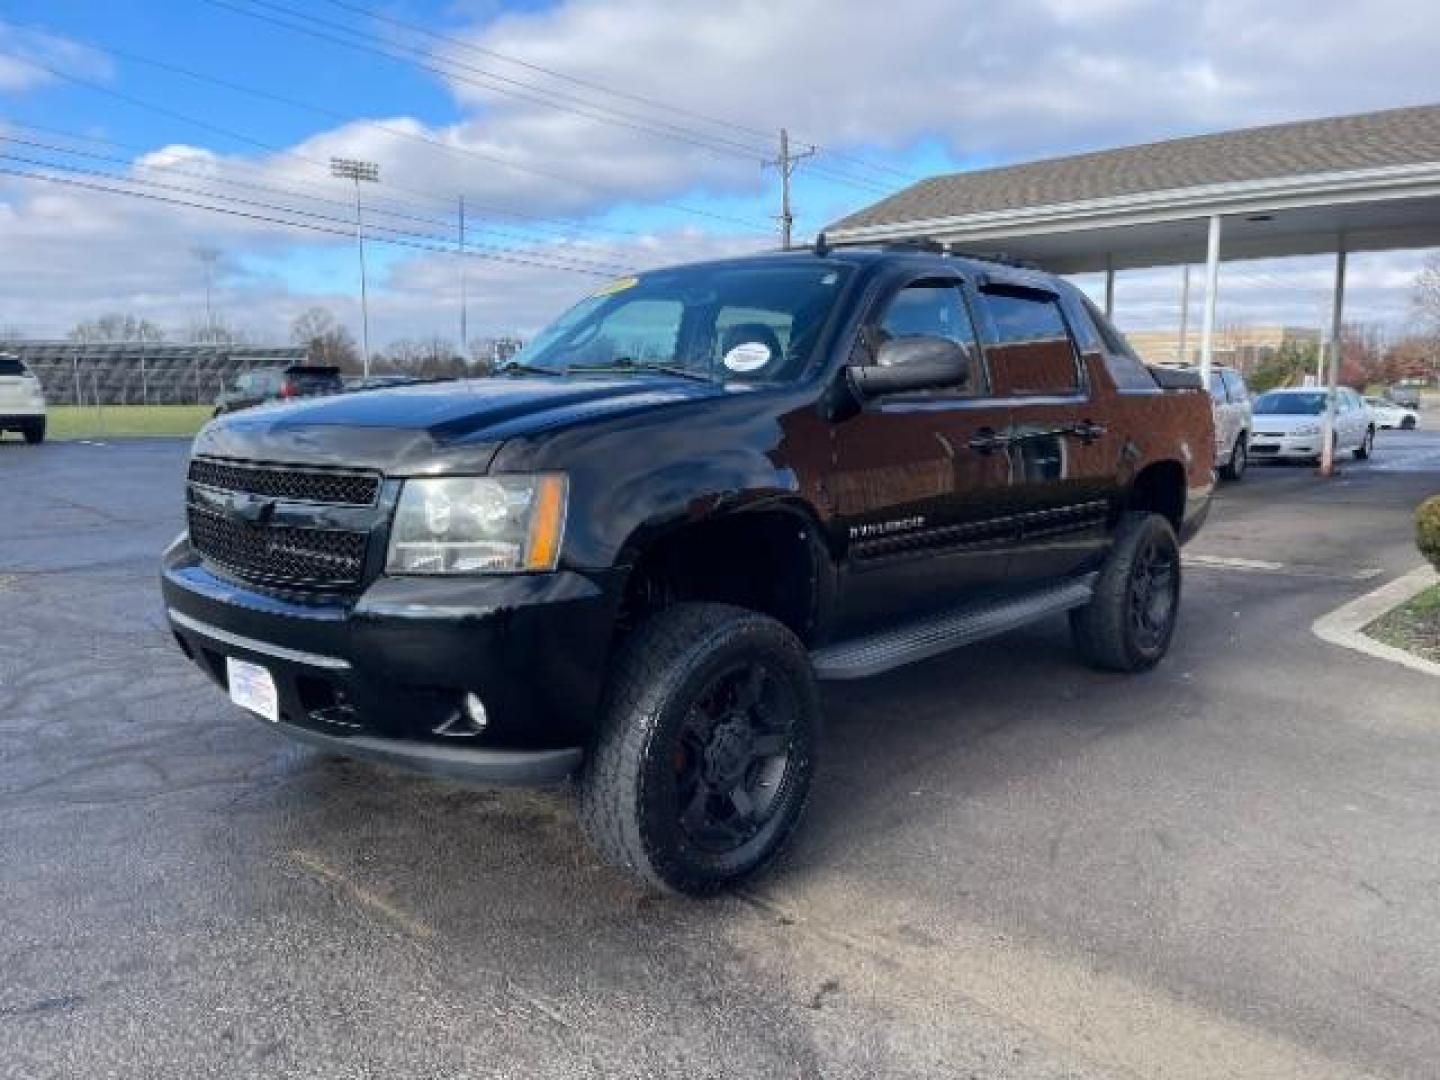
{"points": [[1239, 459], [1367, 445], [35, 431], [1105, 630], [629, 788]]}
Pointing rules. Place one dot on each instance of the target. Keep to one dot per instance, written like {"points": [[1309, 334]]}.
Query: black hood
{"points": [[433, 427]]}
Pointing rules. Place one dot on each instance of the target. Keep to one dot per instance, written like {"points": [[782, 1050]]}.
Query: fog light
{"points": [[475, 712]]}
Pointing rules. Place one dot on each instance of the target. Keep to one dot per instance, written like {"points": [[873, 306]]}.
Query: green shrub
{"points": [[1427, 530]]}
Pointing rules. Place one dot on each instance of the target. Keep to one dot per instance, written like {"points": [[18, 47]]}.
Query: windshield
{"points": [[1310, 404], [747, 321]]}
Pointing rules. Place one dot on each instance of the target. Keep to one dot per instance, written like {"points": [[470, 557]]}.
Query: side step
{"points": [[874, 653]]}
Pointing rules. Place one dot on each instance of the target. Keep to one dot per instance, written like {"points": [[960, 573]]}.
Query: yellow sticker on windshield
{"points": [[618, 285]]}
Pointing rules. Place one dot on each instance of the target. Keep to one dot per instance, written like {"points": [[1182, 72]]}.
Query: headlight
{"points": [[478, 525], [1306, 429]]}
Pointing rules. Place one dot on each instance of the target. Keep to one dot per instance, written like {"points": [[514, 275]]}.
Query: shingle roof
{"points": [[1394, 137]]}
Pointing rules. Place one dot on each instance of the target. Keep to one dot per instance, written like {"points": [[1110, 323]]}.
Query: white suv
{"points": [[22, 401]]}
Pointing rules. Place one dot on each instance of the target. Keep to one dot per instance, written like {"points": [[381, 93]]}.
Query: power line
{"points": [[320, 223], [270, 148], [409, 55], [373, 206], [654, 103], [562, 227]]}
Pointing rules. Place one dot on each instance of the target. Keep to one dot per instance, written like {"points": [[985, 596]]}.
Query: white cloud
{"points": [[23, 51], [990, 82]]}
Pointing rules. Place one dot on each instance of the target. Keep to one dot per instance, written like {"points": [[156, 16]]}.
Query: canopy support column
{"points": [[1212, 284], [1109, 288], [1332, 381]]}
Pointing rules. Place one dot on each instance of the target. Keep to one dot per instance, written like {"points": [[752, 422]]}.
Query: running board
{"points": [[870, 655]]}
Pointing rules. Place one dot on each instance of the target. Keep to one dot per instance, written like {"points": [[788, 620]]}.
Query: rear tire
{"points": [[702, 762], [1239, 459], [35, 431], [1130, 619]]}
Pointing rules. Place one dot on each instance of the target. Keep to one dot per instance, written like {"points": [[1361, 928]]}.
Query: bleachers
{"points": [[142, 373]]}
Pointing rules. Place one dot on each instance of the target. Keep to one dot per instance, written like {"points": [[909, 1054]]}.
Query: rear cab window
{"points": [[13, 365], [1030, 351]]}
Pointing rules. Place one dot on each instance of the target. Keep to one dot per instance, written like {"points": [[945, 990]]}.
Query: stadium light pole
{"points": [[369, 171]]}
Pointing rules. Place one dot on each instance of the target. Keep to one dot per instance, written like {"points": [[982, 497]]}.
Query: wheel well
{"points": [[1160, 488], [766, 561]]}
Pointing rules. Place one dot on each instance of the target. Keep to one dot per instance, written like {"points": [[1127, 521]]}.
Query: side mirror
{"points": [[917, 362]]}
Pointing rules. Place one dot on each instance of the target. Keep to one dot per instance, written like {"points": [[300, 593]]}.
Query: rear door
{"points": [[919, 479], [1063, 456]]}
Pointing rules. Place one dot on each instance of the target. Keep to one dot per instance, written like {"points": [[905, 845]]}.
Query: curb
{"points": [[1345, 625]]}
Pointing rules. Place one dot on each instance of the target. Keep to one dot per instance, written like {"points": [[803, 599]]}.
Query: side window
{"points": [[1236, 386], [1127, 369], [929, 309], [1217, 386], [1032, 352]]}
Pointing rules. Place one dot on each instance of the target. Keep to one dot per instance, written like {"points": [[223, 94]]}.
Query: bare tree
{"points": [[116, 326], [215, 332], [1425, 298], [327, 340]]}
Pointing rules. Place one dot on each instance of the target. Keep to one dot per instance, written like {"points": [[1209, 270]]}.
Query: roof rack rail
{"points": [[918, 243], [999, 257]]}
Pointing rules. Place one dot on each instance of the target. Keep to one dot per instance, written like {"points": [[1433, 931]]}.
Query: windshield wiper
{"points": [[515, 367], [628, 364]]}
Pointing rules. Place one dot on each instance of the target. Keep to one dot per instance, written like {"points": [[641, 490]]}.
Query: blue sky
{"points": [[894, 91]]}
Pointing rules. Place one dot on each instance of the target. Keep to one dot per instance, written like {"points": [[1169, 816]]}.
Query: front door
{"points": [[919, 478], [1064, 457]]}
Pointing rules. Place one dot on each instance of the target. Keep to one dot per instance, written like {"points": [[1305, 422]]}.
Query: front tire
{"points": [[1130, 620], [1239, 459], [706, 747], [1367, 445], [35, 432]]}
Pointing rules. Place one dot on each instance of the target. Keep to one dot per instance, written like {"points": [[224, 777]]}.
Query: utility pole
{"points": [[786, 163], [464, 328], [208, 256], [369, 171], [1184, 356]]}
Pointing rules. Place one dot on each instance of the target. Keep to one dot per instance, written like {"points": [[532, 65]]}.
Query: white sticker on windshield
{"points": [[747, 356]]}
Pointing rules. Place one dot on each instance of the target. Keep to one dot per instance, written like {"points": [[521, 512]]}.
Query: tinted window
{"points": [[931, 310], [1235, 385], [725, 320], [1304, 404], [11, 365], [1127, 369], [1217, 386], [1032, 353]]}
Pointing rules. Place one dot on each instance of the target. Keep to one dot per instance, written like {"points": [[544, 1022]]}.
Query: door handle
{"points": [[988, 440], [1087, 430]]}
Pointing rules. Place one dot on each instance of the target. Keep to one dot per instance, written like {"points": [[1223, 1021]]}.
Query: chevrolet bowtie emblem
{"points": [[242, 506]]}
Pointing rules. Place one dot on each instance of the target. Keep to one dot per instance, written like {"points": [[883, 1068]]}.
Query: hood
{"points": [[435, 426], [1284, 422]]}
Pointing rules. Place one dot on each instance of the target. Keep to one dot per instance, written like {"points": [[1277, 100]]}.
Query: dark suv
{"points": [[278, 384], [628, 556]]}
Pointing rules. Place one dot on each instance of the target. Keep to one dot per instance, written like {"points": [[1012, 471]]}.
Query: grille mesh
{"points": [[287, 482], [279, 553]]}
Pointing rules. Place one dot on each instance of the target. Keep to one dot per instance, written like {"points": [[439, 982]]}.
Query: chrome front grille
{"points": [[338, 487], [285, 526]]}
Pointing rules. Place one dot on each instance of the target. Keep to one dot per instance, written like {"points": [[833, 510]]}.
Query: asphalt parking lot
{"points": [[1013, 866]]}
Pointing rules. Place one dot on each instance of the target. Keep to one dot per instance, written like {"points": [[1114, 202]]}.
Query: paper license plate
{"points": [[253, 687]]}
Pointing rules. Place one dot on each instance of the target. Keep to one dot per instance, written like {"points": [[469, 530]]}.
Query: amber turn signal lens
{"points": [[547, 524]]}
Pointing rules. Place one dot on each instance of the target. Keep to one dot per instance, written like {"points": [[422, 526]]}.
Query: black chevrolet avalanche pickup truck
{"points": [[627, 557]]}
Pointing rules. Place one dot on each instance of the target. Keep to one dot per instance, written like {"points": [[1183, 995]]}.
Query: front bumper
{"points": [[384, 676], [1284, 446]]}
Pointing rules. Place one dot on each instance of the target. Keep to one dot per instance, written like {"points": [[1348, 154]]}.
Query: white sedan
{"points": [[1289, 422], [1387, 414]]}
